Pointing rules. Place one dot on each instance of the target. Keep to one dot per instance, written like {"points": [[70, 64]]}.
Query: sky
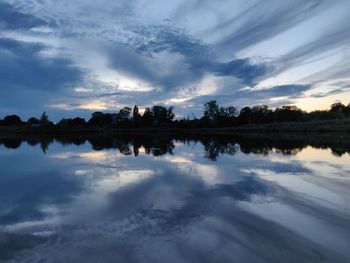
{"points": [[72, 58]]}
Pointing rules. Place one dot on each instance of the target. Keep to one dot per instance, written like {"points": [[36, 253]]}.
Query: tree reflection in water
{"points": [[213, 145]]}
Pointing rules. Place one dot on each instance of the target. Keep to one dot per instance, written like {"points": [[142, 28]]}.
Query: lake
{"points": [[166, 198]]}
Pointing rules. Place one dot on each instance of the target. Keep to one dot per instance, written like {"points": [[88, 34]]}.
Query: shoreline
{"points": [[332, 126]]}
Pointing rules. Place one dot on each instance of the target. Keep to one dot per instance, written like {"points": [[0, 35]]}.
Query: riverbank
{"points": [[342, 126]]}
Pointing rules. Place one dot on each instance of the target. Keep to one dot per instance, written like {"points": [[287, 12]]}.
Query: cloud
{"points": [[264, 20], [336, 74], [330, 93], [26, 195], [11, 18], [23, 65], [129, 215], [242, 69], [230, 93], [336, 38], [29, 80], [186, 51], [192, 60], [278, 91]]}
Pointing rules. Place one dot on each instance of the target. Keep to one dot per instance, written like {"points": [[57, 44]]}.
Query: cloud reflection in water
{"points": [[76, 204]]}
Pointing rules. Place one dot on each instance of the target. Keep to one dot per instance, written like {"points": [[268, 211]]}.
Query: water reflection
{"points": [[214, 146], [183, 199]]}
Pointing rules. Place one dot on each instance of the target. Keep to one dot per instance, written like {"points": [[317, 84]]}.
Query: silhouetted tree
{"points": [[147, 117], [245, 115], [338, 107], [136, 116], [170, 114], [228, 112], [11, 120], [213, 116], [64, 123], [161, 115], [323, 115], [33, 121], [78, 122], [347, 110], [227, 116], [44, 120], [97, 113], [124, 114], [211, 110], [261, 114], [100, 119], [288, 114], [339, 110]]}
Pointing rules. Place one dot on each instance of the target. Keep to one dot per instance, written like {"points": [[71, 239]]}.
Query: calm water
{"points": [[174, 200]]}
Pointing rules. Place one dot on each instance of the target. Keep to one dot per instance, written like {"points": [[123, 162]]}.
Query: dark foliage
{"points": [[11, 120], [214, 116], [33, 121], [76, 122]]}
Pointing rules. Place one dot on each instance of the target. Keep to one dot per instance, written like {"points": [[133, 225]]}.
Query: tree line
{"points": [[214, 115]]}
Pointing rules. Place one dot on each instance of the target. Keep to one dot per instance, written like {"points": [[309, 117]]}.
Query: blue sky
{"points": [[75, 57]]}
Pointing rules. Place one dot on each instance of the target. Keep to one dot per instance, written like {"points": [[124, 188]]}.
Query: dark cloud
{"points": [[196, 56], [174, 40], [280, 91], [242, 69], [124, 59], [29, 79], [330, 93], [11, 18], [22, 66], [197, 59], [290, 91], [202, 58]]}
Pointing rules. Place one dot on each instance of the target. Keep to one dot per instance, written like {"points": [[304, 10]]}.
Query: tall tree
{"points": [[44, 120], [160, 114], [338, 107], [245, 115], [170, 114], [147, 117], [211, 110], [135, 113], [347, 110], [124, 114]]}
